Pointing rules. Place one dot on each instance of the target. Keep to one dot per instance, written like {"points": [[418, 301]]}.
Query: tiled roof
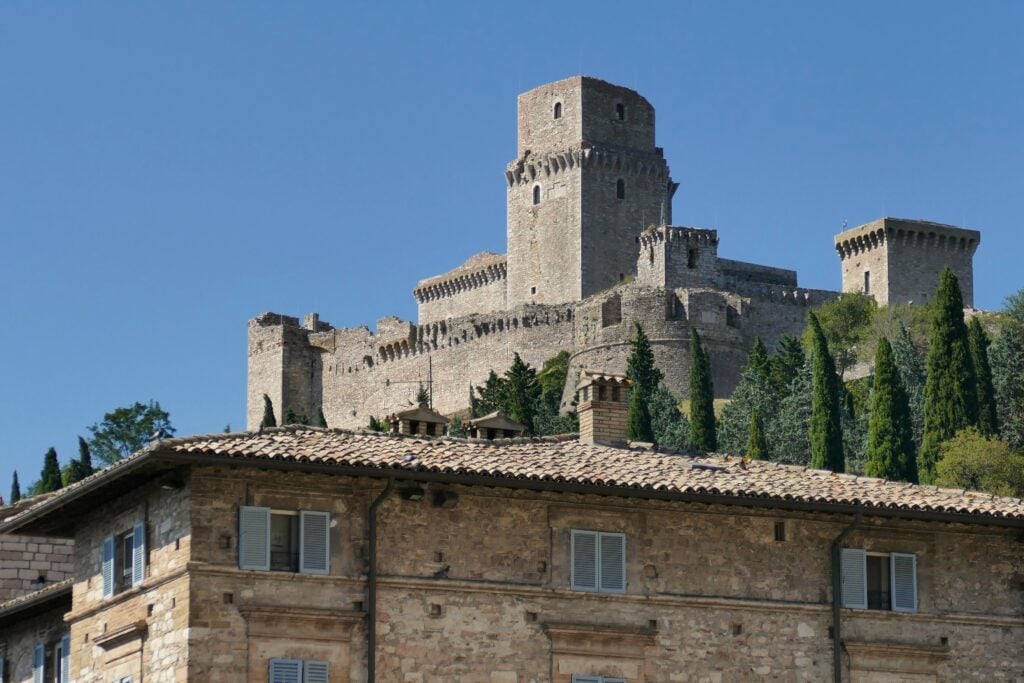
{"points": [[571, 462], [54, 590]]}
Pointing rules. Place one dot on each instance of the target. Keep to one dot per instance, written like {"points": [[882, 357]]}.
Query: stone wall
{"points": [[477, 286], [709, 590], [142, 628], [18, 642], [26, 559]]}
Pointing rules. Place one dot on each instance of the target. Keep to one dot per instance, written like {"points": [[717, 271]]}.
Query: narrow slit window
{"points": [[558, 110], [691, 258], [620, 111], [536, 194], [620, 189], [867, 281]]}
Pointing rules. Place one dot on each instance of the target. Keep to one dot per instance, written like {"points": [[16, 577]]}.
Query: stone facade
{"points": [[591, 250], [898, 261], [24, 560], [480, 591]]}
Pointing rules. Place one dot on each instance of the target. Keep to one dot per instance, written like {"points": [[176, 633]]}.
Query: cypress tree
{"points": [[826, 430], [702, 397], [785, 364], [950, 394], [758, 361], [640, 365], [911, 368], [988, 424], [422, 396], [49, 479], [890, 453], [757, 444], [522, 393], [321, 421], [15, 489], [268, 412], [638, 417], [82, 467]]}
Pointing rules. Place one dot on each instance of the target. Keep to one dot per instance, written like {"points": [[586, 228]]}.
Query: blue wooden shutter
{"points": [[38, 663], [612, 555], [854, 578], [314, 542], [903, 577], [254, 538], [314, 671], [138, 553], [108, 566], [584, 560], [65, 659], [285, 671], [577, 678]]}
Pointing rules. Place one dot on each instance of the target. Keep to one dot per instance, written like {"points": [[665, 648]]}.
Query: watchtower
{"points": [[898, 261], [586, 182]]}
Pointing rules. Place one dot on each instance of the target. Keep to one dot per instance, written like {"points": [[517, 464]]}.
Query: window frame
{"points": [[259, 520], [303, 669], [588, 678], [124, 558], [598, 578], [857, 578]]}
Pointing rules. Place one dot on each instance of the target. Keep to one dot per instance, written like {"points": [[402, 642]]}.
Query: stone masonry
{"points": [[591, 250]]}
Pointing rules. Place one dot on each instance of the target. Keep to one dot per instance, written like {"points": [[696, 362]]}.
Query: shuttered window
{"points": [[314, 542], [598, 561], [65, 659], [108, 566], [903, 574], [254, 538], [299, 671], [577, 678], [38, 663], [886, 582], [138, 553], [854, 573]]}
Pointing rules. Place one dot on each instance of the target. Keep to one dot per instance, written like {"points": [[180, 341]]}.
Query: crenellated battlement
{"points": [[917, 234], [787, 295], [656, 235], [625, 162], [449, 285]]}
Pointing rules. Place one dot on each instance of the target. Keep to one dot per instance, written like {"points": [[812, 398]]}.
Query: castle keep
{"points": [[591, 248]]}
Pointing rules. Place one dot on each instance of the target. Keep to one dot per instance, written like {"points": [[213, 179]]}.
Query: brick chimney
{"points": [[601, 406]]}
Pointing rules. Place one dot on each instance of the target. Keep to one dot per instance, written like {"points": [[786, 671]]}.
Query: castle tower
{"points": [[899, 261], [587, 181]]}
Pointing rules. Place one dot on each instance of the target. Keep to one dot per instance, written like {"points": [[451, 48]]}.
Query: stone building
{"points": [[591, 249], [303, 554]]}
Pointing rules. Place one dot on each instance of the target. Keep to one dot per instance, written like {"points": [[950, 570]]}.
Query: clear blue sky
{"points": [[169, 170]]}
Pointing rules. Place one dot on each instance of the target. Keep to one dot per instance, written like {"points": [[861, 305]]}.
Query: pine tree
{"points": [[422, 396], [890, 452], [640, 365], [988, 423], [321, 421], [638, 418], [522, 393], [82, 467], [757, 445], [1008, 378], [492, 395], [49, 479], [826, 432], [911, 368], [785, 364], [789, 428], [754, 392], [670, 427], [702, 397], [15, 489], [951, 394], [757, 359], [268, 413]]}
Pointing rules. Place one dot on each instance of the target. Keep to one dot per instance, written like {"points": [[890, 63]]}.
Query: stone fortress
{"points": [[591, 248]]}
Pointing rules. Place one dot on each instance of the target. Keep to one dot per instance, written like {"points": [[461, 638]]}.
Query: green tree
{"points": [[846, 323], [79, 469], [15, 489], [702, 397], [126, 430], [670, 427], [522, 393], [785, 364], [826, 432], [758, 360], [755, 392], [911, 368], [971, 461], [552, 380], [422, 396], [950, 395], [268, 413], [890, 453], [789, 430], [49, 479], [640, 366], [638, 418], [376, 425], [1008, 380], [491, 396], [321, 420], [757, 444], [987, 421]]}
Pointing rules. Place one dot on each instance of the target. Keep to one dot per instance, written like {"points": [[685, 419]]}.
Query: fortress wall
{"points": [[770, 312], [678, 257], [363, 376], [486, 297], [916, 259], [740, 271]]}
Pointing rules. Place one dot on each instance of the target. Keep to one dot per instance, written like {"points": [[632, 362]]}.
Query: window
{"points": [[558, 110], [620, 189], [62, 660], [598, 561], [38, 663], [620, 111], [691, 258], [299, 671], [284, 540], [124, 560], [879, 581], [867, 281], [577, 678], [533, 290], [536, 194]]}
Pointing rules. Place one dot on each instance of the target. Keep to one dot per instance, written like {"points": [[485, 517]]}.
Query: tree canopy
{"points": [[703, 436], [971, 461], [126, 430], [890, 448], [826, 433]]}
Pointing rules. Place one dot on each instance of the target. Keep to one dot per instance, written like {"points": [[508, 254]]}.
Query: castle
{"points": [[591, 249]]}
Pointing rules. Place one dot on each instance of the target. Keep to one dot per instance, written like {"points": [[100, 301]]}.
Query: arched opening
{"points": [[558, 110], [620, 189], [536, 194], [620, 111]]}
